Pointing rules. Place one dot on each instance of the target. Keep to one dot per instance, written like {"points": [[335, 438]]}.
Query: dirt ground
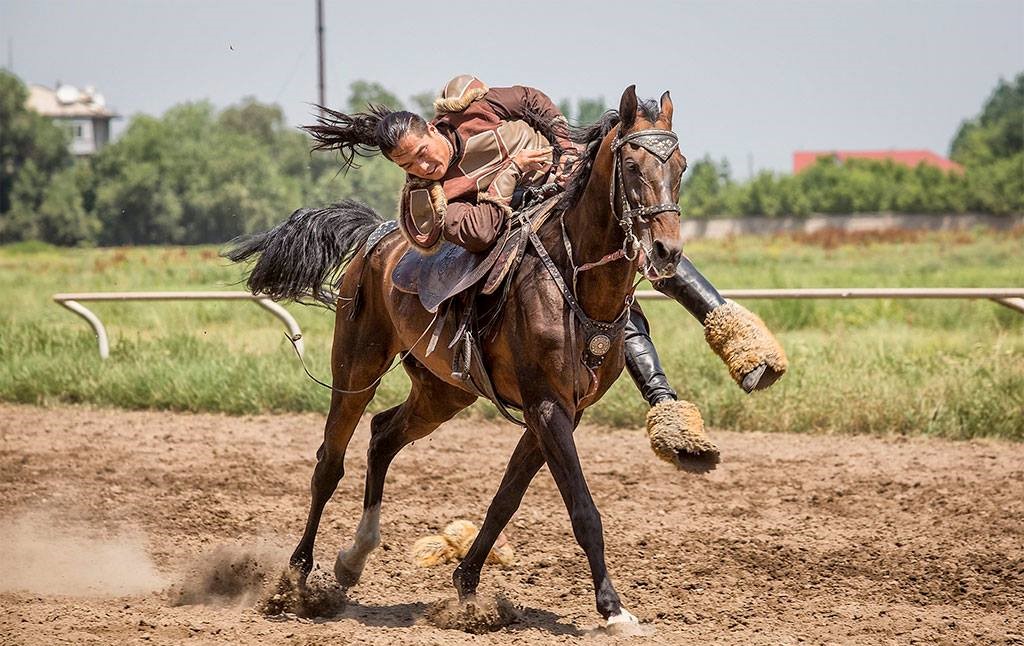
{"points": [[793, 539]]}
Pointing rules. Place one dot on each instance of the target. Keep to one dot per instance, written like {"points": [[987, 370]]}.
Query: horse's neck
{"points": [[594, 233]]}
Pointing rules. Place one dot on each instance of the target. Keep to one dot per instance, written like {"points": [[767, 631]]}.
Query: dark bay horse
{"points": [[622, 198]]}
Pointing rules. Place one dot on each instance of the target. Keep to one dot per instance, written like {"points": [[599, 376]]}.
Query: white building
{"points": [[83, 113]]}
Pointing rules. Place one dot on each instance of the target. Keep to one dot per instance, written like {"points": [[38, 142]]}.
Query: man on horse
{"points": [[468, 169]]}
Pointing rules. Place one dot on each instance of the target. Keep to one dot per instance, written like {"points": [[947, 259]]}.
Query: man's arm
{"points": [[473, 226], [533, 107]]}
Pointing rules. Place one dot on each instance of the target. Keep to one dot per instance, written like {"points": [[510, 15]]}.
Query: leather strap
{"points": [[593, 353]]}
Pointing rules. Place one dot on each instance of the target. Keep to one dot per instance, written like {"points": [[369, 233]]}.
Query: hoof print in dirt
{"points": [[477, 615], [317, 597]]}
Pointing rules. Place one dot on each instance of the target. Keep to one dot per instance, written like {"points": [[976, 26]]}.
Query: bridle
{"points": [[661, 144], [598, 335]]}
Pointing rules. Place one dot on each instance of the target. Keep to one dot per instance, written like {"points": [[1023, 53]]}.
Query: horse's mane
{"points": [[590, 136]]}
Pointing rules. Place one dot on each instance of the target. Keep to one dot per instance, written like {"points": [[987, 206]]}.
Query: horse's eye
{"points": [[632, 166]]}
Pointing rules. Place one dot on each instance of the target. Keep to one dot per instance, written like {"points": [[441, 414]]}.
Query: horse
{"points": [[619, 215]]}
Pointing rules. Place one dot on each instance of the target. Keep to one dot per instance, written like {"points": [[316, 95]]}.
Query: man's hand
{"points": [[537, 159], [565, 168]]}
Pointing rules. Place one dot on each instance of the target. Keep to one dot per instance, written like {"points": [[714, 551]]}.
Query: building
{"points": [[804, 158], [83, 113]]}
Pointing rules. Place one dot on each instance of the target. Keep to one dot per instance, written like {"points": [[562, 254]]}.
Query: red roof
{"points": [[804, 158]]}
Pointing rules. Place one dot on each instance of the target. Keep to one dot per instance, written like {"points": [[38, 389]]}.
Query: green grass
{"points": [[948, 368]]}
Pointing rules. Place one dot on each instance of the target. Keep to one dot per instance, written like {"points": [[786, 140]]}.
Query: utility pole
{"points": [[320, 47]]}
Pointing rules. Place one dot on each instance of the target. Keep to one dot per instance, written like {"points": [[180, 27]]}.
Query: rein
{"points": [[598, 335], [661, 144]]}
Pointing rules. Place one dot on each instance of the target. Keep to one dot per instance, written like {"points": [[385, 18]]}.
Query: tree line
{"points": [[201, 175], [990, 147]]}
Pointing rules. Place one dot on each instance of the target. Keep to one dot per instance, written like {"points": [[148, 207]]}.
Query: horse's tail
{"points": [[305, 255]]}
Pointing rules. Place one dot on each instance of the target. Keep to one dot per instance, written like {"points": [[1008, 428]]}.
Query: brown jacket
{"points": [[487, 127]]}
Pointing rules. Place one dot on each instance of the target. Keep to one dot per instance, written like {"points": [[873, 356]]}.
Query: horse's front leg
{"points": [[526, 461], [553, 424]]}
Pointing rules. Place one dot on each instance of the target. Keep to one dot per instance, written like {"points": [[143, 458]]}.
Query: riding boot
{"points": [[643, 363], [675, 428], [754, 357]]}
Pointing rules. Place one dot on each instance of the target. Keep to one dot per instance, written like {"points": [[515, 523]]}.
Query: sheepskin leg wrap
{"points": [[742, 340], [676, 431], [454, 542]]}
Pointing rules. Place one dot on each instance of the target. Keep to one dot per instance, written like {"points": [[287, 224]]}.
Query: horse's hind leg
{"points": [[431, 402], [360, 356]]}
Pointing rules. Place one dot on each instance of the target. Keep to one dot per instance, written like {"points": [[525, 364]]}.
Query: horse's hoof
{"points": [[624, 617], [465, 582], [625, 624], [676, 431], [299, 574], [346, 576], [742, 340], [759, 378]]}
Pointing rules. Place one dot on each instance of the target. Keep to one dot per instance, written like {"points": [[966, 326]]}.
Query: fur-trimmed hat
{"points": [[458, 93]]}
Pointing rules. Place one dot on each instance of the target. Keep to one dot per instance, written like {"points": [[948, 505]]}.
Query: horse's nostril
{"points": [[666, 253]]}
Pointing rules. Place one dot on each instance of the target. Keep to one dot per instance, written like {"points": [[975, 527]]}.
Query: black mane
{"points": [[590, 137]]}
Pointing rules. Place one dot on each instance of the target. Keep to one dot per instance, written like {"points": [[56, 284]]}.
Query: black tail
{"points": [[305, 255]]}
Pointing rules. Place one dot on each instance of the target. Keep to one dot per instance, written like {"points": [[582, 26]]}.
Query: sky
{"points": [[752, 81]]}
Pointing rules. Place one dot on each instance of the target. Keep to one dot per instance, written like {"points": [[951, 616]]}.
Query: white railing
{"points": [[74, 303], [1012, 297]]}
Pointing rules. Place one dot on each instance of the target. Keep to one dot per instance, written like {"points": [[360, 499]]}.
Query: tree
{"points": [[363, 94], [62, 218], [423, 103], [707, 189], [590, 110], [195, 176], [565, 107], [998, 132], [26, 137], [250, 117], [376, 182], [991, 148]]}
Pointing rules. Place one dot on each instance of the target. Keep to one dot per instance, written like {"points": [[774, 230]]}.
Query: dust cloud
{"points": [[41, 556], [227, 575]]}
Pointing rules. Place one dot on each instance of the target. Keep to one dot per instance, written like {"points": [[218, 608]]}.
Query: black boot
{"points": [[752, 371], [692, 290], [642, 361]]}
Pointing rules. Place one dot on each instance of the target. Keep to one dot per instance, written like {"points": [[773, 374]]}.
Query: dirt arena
{"points": [[794, 539]]}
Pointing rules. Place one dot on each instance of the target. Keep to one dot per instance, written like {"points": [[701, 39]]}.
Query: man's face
{"points": [[425, 156]]}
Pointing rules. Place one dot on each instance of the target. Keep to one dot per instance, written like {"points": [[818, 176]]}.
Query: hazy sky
{"points": [[750, 80]]}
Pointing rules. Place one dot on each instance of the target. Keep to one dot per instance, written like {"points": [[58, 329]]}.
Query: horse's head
{"points": [[647, 170]]}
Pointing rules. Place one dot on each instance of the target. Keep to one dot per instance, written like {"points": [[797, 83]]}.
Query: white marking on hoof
{"points": [[348, 567], [624, 617], [625, 624]]}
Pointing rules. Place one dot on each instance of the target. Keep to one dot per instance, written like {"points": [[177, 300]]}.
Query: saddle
{"points": [[452, 270]]}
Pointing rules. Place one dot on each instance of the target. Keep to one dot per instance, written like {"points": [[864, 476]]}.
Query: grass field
{"points": [[950, 368]]}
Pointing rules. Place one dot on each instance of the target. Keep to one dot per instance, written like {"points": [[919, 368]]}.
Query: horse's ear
{"points": [[627, 108], [666, 110]]}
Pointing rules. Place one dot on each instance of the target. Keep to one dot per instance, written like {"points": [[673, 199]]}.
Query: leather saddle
{"points": [[452, 270]]}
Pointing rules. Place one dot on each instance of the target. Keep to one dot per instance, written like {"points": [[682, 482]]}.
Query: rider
{"points": [[463, 168]]}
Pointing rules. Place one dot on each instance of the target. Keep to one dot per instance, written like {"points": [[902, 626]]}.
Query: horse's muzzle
{"points": [[663, 260]]}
